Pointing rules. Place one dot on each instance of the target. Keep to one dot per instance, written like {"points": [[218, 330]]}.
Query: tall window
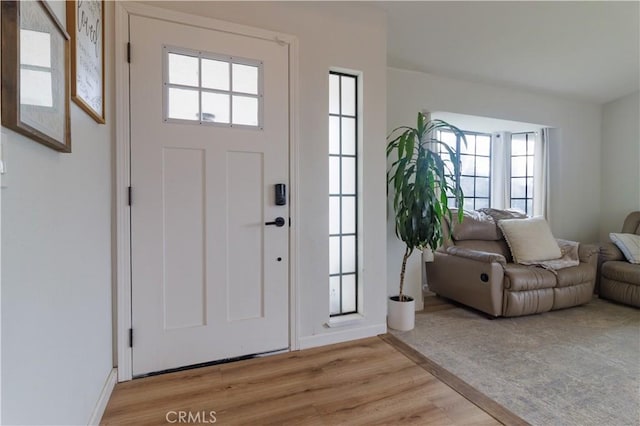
{"points": [[521, 182], [343, 201], [475, 165]]}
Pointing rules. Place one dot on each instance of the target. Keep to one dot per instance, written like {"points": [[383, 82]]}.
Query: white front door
{"points": [[209, 141]]}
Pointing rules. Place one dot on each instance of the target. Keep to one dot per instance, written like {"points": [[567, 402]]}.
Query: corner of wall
{"points": [[620, 162], [103, 399]]}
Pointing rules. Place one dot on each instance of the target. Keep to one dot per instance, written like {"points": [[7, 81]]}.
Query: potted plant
{"points": [[421, 182]]}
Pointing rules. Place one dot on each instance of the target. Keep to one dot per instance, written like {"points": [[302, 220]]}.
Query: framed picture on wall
{"points": [[85, 20], [35, 74]]}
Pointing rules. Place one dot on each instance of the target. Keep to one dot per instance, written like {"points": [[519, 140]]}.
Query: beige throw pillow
{"points": [[530, 240]]}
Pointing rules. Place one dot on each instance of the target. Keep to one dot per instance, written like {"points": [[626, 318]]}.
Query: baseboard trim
{"points": [[491, 407], [103, 400], [341, 335]]}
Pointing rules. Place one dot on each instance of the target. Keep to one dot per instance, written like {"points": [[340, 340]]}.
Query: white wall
{"points": [[620, 162], [329, 35], [56, 274], [575, 159]]}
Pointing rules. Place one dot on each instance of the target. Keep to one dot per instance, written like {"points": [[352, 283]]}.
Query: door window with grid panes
{"points": [[206, 88]]}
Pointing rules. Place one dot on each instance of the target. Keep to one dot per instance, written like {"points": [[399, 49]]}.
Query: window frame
{"points": [[340, 195], [475, 176], [530, 137], [231, 60]]}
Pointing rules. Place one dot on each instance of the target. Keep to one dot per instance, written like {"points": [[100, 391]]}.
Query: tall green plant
{"points": [[422, 181]]}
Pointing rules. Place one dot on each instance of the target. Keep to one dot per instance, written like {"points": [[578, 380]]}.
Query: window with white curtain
{"points": [[500, 170]]}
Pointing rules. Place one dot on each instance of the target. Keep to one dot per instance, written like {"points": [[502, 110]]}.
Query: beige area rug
{"points": [[578, 366]]}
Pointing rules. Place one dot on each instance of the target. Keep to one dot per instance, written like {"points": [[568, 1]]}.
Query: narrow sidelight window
{"points": [[343, 199]]}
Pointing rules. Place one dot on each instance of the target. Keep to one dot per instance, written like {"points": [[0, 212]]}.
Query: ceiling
{"points": [[587, 51]]}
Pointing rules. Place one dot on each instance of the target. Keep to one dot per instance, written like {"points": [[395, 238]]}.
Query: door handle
{"points": [[278, 222]]}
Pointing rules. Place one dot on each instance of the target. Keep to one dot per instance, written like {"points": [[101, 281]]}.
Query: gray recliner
{"points": [[619, 279]]}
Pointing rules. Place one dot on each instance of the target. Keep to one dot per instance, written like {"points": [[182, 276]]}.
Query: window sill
{"points": [[344, 320]]}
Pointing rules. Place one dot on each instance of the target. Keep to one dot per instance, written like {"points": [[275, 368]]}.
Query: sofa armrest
{"points": [[588, 253], [472, 282], [609, 251], [480, 256]]}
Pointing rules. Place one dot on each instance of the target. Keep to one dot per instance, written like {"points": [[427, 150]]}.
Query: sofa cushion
{"points": [[478, 256], [620, 292], [620, 270], [629, 245], [497, 247], [583, 273], [475, 225], [530, 240], [527, 302], [521, 278], [566, 297]]}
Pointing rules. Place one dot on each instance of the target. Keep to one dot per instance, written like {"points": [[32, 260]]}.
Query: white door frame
{"points": [[123, 219]]}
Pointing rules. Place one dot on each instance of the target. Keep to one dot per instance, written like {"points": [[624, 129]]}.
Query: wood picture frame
{"points": [[35, 74], [85, 21]]}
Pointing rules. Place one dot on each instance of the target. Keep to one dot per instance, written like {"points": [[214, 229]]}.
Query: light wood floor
{"points": [[367, 381]]}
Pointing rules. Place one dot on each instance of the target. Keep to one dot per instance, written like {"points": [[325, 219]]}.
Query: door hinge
{"points": [[129, 195], [131, 337], [128, 52], [289, 222]]}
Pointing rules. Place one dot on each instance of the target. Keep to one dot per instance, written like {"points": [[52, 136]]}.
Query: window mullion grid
{"points": [[459, 177], [355, 201], [200, 87], [231, 91], [475, 172], [340, 180], [341, 197], [218, 91], [35, 68], [527, 172], [247, 95], [181, 86], [490, 167]]}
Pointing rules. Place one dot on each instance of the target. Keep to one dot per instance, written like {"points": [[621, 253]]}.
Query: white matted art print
{"points": [[85, 21]]}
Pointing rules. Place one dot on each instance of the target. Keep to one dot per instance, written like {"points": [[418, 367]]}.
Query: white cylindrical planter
{"points": [[402, 315]]}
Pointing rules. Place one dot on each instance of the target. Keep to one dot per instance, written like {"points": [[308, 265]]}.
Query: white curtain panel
{"points": [[500, 170], [431, 146], [541, 174]]}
